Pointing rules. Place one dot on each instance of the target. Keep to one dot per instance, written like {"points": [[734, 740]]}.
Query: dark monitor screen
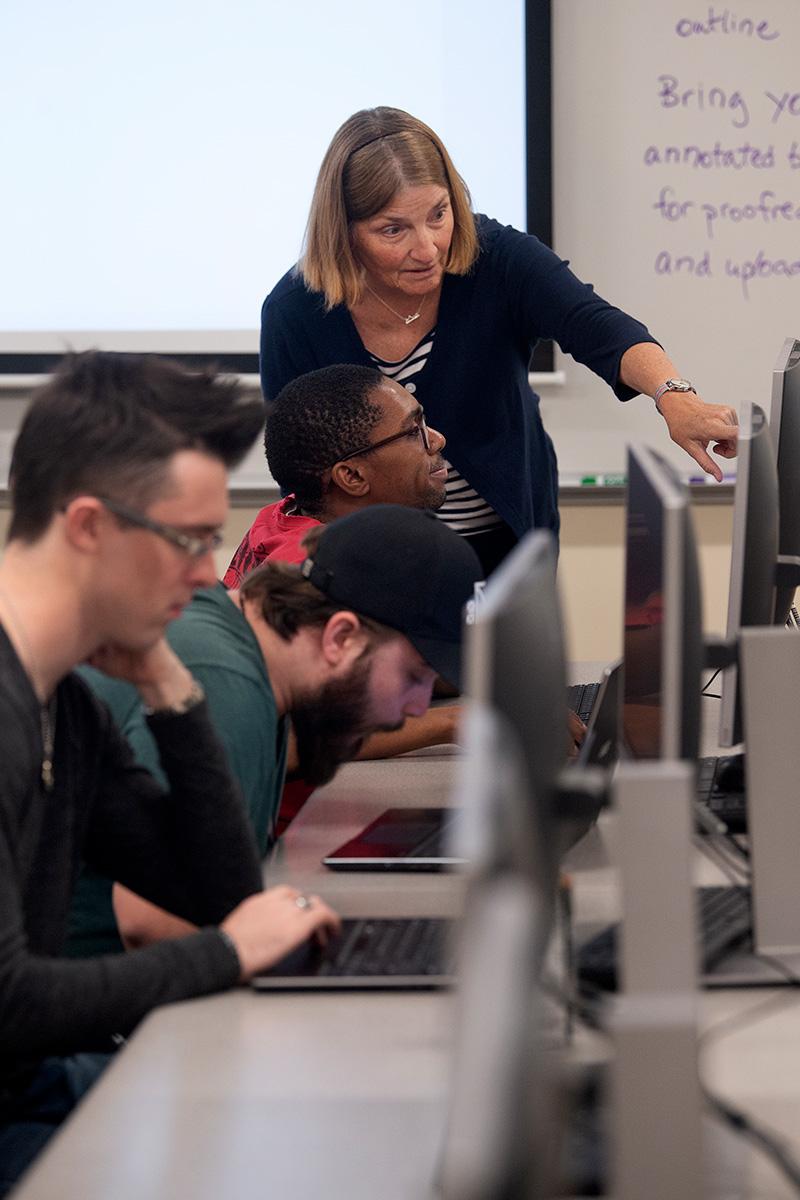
{"points": [[754, 551], [784, 426], [663, 642]]}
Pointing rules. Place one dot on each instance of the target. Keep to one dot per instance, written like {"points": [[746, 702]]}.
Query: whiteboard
{"points": [[677, 194]]}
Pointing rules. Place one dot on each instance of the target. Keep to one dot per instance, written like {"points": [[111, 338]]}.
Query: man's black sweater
{"points": [[189, 849]]}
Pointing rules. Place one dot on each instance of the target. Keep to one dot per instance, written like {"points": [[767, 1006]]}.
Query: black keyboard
{"points": [[720, 787], [373, 947], [581, 698], [725, 920]]}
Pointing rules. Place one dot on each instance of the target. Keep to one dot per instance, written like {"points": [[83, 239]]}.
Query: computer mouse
{"points": [[730, 774]]}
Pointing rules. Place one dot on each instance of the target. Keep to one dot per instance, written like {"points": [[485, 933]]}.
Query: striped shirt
{"points": [[463, 510]]}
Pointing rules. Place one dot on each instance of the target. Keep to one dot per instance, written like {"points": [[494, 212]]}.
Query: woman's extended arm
{"points": [[691, 422]]}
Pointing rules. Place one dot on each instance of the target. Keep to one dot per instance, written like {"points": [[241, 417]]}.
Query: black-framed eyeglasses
{"points": [[420, 427], [195, 547]]}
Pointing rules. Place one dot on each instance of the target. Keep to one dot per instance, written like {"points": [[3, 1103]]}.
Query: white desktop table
{"points": [[245, 1096], [333, 814]]}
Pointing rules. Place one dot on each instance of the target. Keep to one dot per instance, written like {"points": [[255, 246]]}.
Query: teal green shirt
{"points": [[217, 644]]}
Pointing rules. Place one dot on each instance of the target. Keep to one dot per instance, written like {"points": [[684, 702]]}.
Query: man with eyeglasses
{"points": [[118, 487], [338, 440]]}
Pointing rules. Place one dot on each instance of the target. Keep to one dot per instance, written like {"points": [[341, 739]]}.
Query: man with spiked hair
{"points": [[118, 484]]}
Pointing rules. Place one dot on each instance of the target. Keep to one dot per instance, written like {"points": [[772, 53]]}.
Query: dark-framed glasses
{"points": [[419, 428], [195, 547]]}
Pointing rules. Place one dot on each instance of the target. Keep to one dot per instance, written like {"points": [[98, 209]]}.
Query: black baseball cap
{"points": [[405, 568]]}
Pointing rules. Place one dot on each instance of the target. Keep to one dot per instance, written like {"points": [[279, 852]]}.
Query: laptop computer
{"points": [[420, 839], [401, 839], [726, 955], [600, 747], [721, 790], [371, 953], [408, 952]]}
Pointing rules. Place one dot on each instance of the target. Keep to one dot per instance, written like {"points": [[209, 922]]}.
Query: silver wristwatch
{"points": [[672, 385]]}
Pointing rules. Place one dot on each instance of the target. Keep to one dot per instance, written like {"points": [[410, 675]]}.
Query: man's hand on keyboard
{"points": [[266, 927]]}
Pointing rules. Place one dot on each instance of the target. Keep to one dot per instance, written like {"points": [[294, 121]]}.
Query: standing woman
{"points": [[398, 273]]}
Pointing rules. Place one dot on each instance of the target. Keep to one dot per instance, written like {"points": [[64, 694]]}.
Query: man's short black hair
{"points": [[315, 420], [108, 424]]}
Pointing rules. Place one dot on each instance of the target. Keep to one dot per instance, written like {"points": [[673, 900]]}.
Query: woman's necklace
{"points": [[47, 709], [406, 320]]}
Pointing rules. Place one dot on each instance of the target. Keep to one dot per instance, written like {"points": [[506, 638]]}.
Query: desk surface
{"points": [[300, 1096], [333, 814]]}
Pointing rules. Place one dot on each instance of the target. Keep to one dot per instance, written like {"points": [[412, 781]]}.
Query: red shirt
{"points": [[275, 533]]}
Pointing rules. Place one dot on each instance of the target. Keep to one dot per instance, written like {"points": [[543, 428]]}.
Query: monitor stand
{"points": [[770, 673], [657, 1140]]}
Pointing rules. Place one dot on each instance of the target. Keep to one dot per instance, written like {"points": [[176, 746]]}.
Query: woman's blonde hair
{"points": [[375, 155]]}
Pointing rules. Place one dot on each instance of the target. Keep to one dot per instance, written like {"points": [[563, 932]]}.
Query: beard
{"points": [[433, 499], [435, 494], [331, 725]]}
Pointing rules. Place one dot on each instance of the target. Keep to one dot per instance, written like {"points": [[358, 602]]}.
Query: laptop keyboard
{"points": [[374, 947], [581, 698], [720, 787], [724, 919]]}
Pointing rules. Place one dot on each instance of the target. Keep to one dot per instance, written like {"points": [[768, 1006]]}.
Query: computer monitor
{"points": [[495, 1144], [504, 1128], [754, 551], [784, 426], [514, 657], [663, 641]]}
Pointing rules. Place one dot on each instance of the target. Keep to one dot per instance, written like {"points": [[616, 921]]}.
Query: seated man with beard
{"points": [[348, 643]]}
